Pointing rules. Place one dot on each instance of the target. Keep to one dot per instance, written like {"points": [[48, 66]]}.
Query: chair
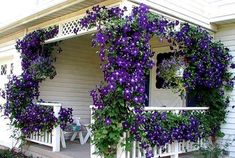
{"points": [[79, 132]]}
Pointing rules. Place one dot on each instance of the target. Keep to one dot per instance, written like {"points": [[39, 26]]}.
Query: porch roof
{"points": [[50, 13]]}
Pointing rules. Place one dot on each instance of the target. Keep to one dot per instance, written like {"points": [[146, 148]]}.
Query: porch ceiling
{"points": [[51, 13]]}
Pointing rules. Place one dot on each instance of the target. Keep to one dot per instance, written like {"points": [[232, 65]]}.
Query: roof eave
{"points": [[26, 22]]}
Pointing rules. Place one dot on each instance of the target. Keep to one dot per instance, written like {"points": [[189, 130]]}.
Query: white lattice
{"points": [[67, 28]]}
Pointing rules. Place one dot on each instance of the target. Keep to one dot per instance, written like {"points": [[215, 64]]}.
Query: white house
{"points": [[78, 67]]}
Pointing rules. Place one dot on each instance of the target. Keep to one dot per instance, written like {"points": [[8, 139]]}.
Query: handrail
{"points": [[49, 103], [150, 108], [155, 108]]}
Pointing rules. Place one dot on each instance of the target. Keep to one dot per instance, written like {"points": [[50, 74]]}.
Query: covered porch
{"points": [[78, 72]]}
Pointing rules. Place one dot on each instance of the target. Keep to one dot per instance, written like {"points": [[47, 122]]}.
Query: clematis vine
{"points": [[22, 92], [126, 57]]}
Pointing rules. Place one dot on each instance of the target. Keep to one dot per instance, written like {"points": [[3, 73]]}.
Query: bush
{"points": [[10, 153]]}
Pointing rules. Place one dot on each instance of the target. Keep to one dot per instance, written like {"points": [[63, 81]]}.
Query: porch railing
{"points": [[51, 139], [173, 150]]}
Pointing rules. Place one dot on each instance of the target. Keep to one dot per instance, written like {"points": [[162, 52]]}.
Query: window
{"points": [[12, 68], [4, 69]]}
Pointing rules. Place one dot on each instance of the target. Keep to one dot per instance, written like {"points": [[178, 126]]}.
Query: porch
{"points": [[78, 71]]}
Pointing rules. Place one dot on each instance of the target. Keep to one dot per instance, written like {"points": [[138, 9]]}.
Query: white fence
{"points": [[51, 139], [173, 150]]}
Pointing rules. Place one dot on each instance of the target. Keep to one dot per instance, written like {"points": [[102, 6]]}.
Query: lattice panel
{"points": [[68, 27]]}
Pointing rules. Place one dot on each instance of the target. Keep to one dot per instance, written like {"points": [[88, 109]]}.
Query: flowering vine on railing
{"points": [[22, 91]]}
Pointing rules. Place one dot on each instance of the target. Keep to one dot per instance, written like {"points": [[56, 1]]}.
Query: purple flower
{"points": [[108, 121], [100, 38], [149, 154]]}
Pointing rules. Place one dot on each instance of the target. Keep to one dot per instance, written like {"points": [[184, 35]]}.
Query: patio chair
{"points": [[82, 139], [74, 128]]}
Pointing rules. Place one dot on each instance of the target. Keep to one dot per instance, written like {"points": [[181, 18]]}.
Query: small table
{"points": [[82, 140]]}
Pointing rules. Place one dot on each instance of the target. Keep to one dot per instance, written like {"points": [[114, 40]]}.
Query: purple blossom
{"points": [[108, 121]]}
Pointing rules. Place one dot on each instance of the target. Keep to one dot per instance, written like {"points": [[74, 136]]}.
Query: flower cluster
{"points": [[207, 60], [22, 91], [65, 117], [37, 118], [32, 46], [160, 130]]}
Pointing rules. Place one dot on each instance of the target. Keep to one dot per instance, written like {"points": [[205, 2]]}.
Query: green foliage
{"points": [[11, 154], [217, 103], [107, 137], [212, 150]]}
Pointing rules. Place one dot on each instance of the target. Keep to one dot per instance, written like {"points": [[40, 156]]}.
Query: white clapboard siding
{"points": [[226, 34], [6, 58], [78, 72]]}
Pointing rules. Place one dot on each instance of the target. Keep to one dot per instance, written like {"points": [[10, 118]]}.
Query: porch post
{"points": [[175, 148], [56, 130]]}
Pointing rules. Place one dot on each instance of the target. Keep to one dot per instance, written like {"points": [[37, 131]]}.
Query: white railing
{"points": [[173, 150], [51, 139]]}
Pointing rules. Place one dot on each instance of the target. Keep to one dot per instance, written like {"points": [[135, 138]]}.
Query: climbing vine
{"points": [[22, 91], [126, 58]]}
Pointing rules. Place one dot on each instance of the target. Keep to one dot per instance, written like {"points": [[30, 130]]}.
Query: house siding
{"points": [[78, 72], [226, 33], [6, 58]]}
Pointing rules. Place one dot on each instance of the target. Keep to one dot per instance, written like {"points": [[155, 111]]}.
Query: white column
{"points": [[56, 130], [17, 69], [92, 146]]}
